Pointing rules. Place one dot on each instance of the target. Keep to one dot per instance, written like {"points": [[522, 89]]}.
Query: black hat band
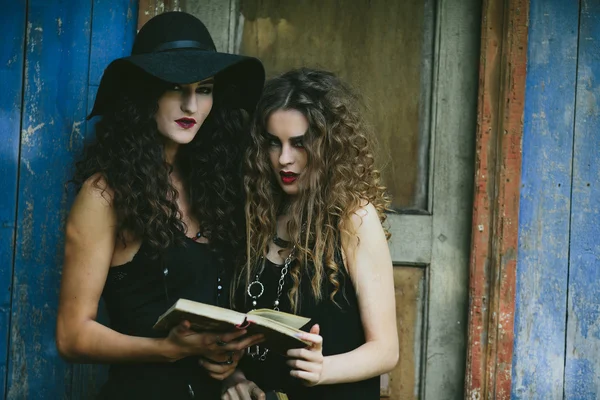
{"points": [[181, 44]]}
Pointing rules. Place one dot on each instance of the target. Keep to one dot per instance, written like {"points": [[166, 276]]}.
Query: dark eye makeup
{"points": [[273, 140]]}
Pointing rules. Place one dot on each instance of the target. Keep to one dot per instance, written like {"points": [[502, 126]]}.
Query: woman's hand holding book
{"points": [[219, 352], [307, 364]]}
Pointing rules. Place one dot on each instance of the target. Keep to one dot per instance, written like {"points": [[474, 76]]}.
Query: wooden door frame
{"points": [[492, 284]]}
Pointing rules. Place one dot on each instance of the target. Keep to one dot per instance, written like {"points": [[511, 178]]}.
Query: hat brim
{"points": [[245, 75]]}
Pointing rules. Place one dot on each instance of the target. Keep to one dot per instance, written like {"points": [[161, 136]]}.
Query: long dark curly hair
{"points": [[340, 177], [128, 154]]}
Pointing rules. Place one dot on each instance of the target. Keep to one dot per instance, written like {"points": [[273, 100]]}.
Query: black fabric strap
{"points": [[181, 44]]}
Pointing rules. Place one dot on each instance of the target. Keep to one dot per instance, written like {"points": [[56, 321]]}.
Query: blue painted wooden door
{"points": [[557, 325], [52, 55]]}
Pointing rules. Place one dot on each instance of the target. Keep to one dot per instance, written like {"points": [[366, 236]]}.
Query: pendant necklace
{"points": [[255, 291]]}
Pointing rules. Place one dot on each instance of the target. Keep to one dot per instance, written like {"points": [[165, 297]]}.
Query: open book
{"points": [[278, 327]]}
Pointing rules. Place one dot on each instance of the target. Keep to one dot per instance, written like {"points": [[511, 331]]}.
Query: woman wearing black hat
{"points": [[159, 213]]}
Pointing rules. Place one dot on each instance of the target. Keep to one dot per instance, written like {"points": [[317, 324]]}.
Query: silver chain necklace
{"points": [[257, 284]]}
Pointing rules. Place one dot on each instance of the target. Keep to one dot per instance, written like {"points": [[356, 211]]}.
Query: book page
{"points": [[202, 316], [291, 320]]}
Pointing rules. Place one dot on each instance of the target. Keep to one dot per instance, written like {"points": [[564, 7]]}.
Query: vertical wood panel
{"points": [[410, 283], [582, 367], [56, 79], [496, 205], [542, 269], [12, 32], [114, 25], [454, 127], [219, 16]]}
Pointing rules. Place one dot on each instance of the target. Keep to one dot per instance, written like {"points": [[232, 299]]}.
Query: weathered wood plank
{"points": [[454, 127], [411, 296], [411, 238], [56, 79], [219, 16], [114, 25], [494, 243], [542, 269], [12, 32], [582, 367]]}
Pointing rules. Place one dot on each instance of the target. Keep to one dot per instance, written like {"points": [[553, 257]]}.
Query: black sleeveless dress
{"points": [[340, 327], [136, 294]]}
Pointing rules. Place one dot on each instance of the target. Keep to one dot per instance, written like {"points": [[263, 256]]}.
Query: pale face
{"points": [[286, 130], [182, 109]]}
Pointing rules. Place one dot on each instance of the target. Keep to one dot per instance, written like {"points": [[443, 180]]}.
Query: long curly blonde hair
{"points": [[340, 177]]}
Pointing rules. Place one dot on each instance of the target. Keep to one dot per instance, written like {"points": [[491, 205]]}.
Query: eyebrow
{"points": [[292, 138]]}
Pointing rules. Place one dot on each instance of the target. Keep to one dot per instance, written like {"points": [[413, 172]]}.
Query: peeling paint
{"points": [[76, 135], [32, 42], [28, 166], [11, 69], [37, 79], [540, 318], [11, 61], [582, 350], [27, 230], [19, 347], [54, 76], [497, 179], [27, 134]]}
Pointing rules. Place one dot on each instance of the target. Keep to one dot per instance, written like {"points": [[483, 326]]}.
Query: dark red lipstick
{"points": [[186, 123], [288, 177]]}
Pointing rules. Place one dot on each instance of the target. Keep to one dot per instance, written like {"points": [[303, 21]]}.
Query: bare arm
{"points": [[370, 267], [89, 247]]}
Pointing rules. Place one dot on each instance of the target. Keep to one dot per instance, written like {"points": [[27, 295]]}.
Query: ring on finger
{"points": [[219, 342]]}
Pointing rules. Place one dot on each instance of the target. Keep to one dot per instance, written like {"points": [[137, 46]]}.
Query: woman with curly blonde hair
{"points": [[315, 242]]}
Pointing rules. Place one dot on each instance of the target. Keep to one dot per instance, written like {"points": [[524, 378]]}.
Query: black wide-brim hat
{"points": [[176, 47]]}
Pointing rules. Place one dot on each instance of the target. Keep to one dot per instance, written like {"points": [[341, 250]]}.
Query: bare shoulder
{"points": [[363, 227], [96, 187], [364, 245], [364, 218], [92, 208]]}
